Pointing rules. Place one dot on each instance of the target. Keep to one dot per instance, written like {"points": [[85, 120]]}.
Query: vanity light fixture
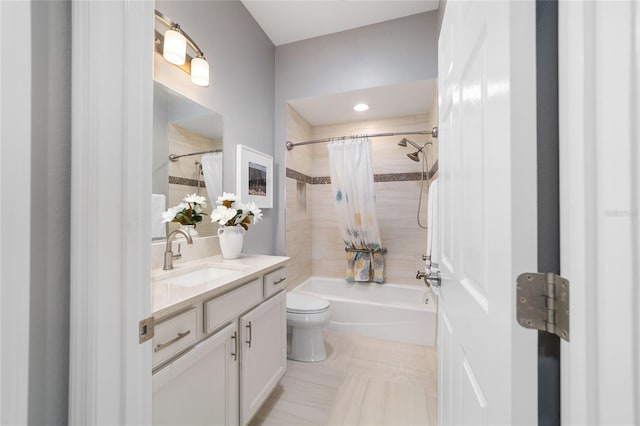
{"points": [[173, 47], [361, 107]]}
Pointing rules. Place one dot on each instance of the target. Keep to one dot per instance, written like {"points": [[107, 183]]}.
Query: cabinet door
{"points": [[264, 353], [201, 386]]}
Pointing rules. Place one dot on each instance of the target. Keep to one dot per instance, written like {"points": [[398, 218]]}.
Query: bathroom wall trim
{"points": [[300, 177], [382, 177], [177, 180]]}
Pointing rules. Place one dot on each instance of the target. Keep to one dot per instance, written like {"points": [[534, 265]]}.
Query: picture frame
{"points": [[254, 177]]}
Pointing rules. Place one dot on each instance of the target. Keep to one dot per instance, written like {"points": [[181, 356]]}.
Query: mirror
{"points": [[192, 134]]}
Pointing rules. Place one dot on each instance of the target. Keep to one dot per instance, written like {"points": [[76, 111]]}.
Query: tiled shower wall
{"points": [[313, 239], [298, 213]]}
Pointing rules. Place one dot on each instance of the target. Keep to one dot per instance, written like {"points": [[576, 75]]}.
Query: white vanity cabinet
{"points": [[263, 333], [218, 357]]}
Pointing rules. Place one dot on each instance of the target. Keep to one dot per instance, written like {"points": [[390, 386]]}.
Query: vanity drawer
{"points": [[228, 306], [174, 334], [275, 281]]}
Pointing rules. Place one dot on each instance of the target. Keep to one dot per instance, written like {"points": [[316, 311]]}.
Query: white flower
{"points": [[170, 214], [197, 199], [227, 213], [255, 211], [227, 196], [222, 215]]}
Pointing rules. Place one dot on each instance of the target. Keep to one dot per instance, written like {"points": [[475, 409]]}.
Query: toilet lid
{"points": [[303, 304]]}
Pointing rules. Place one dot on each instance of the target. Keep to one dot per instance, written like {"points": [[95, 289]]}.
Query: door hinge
{"points": [[543, 303], [146, 329]]}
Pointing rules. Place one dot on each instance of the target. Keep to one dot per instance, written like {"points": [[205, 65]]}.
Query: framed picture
{"points": [[254, 177]]}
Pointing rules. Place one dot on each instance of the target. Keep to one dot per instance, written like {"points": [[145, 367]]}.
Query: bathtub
{"points": [[397, 312]]}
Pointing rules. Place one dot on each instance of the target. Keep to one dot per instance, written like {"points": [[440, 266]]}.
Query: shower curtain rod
{"points": [[174, 157], [433, 132]]}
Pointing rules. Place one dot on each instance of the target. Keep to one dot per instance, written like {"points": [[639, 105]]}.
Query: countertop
{"points": [[168, 299]]}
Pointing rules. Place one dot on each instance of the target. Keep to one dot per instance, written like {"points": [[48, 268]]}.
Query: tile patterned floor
{"points": [[363, 381]]}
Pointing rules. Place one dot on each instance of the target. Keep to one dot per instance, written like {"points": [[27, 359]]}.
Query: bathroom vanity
{"points": [[220, 338]]}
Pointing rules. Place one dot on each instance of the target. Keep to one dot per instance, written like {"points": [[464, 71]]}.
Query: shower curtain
{"points": [[355, 203], [212, 171]]}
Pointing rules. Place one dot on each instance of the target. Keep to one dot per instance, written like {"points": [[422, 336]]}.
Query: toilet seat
{"points": [[304, 304]]}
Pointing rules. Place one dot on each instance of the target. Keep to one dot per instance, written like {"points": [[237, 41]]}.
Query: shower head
{"points": [[414, 156], [404, 142]]}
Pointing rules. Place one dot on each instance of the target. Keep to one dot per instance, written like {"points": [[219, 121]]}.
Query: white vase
{"points": [[231, 241], [191, 230]]}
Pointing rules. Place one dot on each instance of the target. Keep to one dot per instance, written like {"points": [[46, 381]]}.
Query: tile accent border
{"points": [[386, 177], [185, 181], [300, 177]]}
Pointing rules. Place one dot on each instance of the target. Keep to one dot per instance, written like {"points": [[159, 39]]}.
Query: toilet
{"points": [[306, 315]]}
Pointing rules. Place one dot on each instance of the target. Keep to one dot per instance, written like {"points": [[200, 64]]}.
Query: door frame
{"points": [[15, 247], [599, 91], [112, 98]]}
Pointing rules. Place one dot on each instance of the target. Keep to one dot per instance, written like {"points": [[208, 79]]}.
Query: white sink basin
{"points": [[200, 276]]}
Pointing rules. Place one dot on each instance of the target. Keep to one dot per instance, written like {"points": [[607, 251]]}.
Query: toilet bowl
{"points": [[306, 315]]}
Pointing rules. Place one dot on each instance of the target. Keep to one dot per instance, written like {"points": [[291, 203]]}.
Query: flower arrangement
{"points": [[231, 213], [189, 212]]}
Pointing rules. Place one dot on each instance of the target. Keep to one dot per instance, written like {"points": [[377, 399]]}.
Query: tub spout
{"points": [[431, 280]]}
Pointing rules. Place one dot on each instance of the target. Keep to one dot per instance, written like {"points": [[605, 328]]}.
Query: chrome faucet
{"points": [[432, 279], [168, 254]]}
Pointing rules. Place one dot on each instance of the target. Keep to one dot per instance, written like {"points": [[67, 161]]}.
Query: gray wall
{"points": [[50, 225], [242, 66], [390, 52]]}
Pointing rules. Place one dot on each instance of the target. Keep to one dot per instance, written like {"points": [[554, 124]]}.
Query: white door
{"points": [[263, 334], [599, 88], [201, 386], [487, 362]]}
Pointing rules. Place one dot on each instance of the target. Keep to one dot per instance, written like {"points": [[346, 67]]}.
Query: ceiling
{"points": [[396, 100], [294, 20]]}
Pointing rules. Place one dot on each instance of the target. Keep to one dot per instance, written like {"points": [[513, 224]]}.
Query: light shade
{"points": [[200, 71], [361, 107], [174, 49]]}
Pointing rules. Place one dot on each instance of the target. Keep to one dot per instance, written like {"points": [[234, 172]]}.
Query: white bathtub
{"points": [[402, 313]]}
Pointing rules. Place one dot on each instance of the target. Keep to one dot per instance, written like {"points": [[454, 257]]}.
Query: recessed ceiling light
{"points": [[361, 107]]}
